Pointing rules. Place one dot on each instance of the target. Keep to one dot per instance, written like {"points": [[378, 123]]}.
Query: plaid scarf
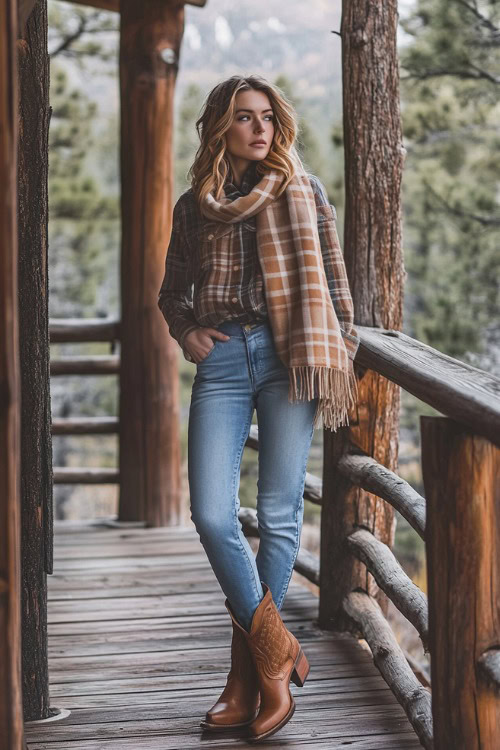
{"points": [[305, 328]]}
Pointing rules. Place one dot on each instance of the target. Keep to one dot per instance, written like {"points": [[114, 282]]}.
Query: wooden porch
{"points": [[139, 649]]}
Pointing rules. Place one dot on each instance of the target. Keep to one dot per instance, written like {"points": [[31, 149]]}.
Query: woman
{"points": [[269, 327]]}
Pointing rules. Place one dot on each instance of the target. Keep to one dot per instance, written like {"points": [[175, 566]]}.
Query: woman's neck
{"points": [[238, 168]]}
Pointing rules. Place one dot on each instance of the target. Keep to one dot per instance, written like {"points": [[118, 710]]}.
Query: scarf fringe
{"points": [[337, 392]]}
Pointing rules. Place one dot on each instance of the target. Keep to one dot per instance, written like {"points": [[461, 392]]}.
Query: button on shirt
{"points": [[199, 289]]}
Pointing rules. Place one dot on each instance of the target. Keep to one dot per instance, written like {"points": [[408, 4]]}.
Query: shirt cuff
{"points": [[183, 331]]}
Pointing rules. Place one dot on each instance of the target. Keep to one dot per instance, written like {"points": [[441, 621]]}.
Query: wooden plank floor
{"points": [[139, 647]]}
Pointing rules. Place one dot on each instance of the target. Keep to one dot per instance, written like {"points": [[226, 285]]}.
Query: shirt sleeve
{"points": [[175, 298], [335, 270]]}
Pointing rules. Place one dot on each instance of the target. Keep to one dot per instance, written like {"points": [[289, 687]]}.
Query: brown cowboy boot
{"points": [[278, 658], [238, 703]]}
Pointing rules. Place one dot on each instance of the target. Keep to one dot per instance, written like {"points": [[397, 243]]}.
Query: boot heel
{"points": [[300, 670]]}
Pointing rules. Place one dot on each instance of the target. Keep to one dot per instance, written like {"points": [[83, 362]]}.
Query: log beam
{"points": [[84, 425], [388, 656], [114, 5], [69, 330], [463, 392], [72, 475], [97, 364], [368, 474], [392, 579]]}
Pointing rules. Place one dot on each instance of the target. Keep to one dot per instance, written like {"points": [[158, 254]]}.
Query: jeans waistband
{"points": [[234, 327]]}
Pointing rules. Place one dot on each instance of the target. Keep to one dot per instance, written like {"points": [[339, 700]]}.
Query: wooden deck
{"points": [[139, 649]]}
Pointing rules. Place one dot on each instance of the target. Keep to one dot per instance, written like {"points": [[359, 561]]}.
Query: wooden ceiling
{"points": [[115, 4], [24, 7]]}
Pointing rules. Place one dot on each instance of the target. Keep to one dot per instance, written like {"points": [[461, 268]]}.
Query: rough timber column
{"points": [[11, 709], [151, 33], [34, 354]]}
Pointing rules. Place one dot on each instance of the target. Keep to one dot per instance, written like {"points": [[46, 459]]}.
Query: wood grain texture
{"points": [[392, 579], [97, 364], [84, 425], [390, 659], [36, 439], [63, 330], [461, 473], [141, 671], [11, 724], [88, 475], [373, 256], [114, 5], [489, 667], [149, 442], [368, 474], [459, 390]]}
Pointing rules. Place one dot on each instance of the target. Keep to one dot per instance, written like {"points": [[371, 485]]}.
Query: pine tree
{"points": [[450, 85], [80, 217]]}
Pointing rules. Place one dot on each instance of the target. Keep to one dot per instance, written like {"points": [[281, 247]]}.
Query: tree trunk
{"points": [[11, 715], [36, 442], [372, 251]]}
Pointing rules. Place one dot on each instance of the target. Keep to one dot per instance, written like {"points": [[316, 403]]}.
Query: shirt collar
{"points": [[249, 179]]}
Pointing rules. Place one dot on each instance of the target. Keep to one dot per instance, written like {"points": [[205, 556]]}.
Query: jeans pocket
{"points": [[209, 353]]}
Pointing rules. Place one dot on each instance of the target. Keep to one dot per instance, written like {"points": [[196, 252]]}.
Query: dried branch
{"points": [[84, 27], [487, 221], [486, 22], [462, 74]]}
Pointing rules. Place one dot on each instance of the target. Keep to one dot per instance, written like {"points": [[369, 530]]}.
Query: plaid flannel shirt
{"points": [[240, 294]]}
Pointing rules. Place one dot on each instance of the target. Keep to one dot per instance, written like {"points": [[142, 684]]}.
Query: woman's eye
{"points": [[244, 116]]}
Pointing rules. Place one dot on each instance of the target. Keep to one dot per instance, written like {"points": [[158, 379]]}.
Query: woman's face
{"points": [[253, 121]]}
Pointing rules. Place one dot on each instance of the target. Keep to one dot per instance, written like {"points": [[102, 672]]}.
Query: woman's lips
{"points": [[258, 145]]}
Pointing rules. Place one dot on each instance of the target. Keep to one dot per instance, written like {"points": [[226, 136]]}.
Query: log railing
{"points": [[459, 520], [63, 331]]}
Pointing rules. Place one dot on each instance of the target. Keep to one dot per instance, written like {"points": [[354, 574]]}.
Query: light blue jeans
{"points": [[237, 376]]}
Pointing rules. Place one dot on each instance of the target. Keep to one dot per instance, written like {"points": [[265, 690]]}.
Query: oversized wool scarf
{"points": [[305, 327]]}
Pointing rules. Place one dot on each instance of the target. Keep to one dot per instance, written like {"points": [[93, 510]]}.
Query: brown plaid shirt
{"points": [[239, 294]]}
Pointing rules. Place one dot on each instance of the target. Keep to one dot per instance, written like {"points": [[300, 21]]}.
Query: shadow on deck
{"points": [[139, 649]]}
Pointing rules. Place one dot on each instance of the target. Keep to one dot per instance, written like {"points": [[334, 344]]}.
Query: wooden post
{"points": [[461, 473], [11, 710], [36, 440], [372, 251], [150, 39]]}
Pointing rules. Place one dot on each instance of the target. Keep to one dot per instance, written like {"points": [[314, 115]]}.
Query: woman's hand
{"points": [[199, 344]]}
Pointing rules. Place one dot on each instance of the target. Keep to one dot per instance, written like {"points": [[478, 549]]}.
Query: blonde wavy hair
{"points": [[210, 167]]}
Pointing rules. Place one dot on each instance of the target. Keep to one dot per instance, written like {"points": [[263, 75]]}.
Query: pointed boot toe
{"points": [[238, 704], [278, 658]]}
